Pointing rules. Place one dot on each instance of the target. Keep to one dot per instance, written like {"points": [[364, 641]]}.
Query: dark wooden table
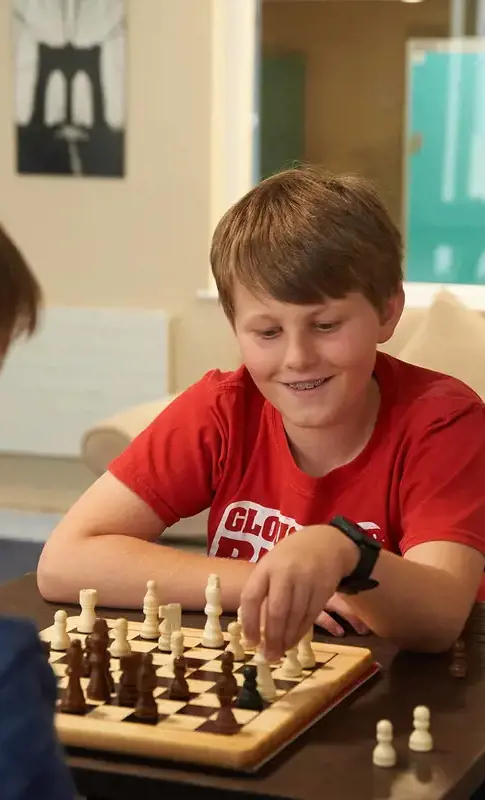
{"points": [[333, 760]]}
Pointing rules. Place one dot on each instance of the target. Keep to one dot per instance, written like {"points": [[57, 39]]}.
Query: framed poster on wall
{"points": [[69, 86], [444, 168]]}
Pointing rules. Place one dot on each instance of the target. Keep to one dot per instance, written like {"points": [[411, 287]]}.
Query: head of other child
{"points": [[20, 295], [309, 273]]}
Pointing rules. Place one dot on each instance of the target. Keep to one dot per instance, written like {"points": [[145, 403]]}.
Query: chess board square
{"points": [[199, 686], [165, 695], [193, 663], [164, 680], [133, 718], [196, 710], [166, 671], [59, 669], [110, 713], [143, 645], [160, 659], [205, 675], [212, 666], [207, 699], [203, 653], [56, 656], [285, 685], [191, 642], [210, 726], [244, 715], [166, 706], [181, 722], [241, 661]]}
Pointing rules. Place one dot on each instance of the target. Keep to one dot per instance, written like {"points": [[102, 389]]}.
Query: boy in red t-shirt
{"points": [[375, 467]]}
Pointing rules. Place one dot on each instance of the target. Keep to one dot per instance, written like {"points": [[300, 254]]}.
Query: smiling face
{"points": [[313, 363]]}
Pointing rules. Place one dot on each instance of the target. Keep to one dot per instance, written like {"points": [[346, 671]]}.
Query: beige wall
{"points": [[142, 241], [355, 78]]}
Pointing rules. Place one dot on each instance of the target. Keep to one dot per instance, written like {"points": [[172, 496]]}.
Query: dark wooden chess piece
{"points": [[249, 696], [225, 721], [127, 689], [99, 687], [73, 700], [87, 657], [227, 662], [146, 706], [458, 665], [100, 628], [179, 689]]}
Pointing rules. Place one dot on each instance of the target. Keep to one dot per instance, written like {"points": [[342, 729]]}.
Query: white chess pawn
{"points": [[149, 628], [176, 645], [306, 656], [420, 740], [291, 667], [234, 630], [120, 646], [384, 754], [213, 635], [87, 600], [265, 682], [60, 637]]}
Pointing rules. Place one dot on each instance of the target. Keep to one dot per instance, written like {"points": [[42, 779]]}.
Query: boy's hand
{"points": [[294, 581], [337, 603]]}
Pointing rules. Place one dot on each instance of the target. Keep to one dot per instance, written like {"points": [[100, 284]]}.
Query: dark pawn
{"points": [[458, 666], [73, 700], [146, 707], [99, 686], [100, 628], [179, 689], [227, 661], [249, 696], [127, 689], [225, 721]]}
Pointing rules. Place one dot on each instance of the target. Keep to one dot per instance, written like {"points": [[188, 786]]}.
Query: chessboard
{"points": [[186, 731]]}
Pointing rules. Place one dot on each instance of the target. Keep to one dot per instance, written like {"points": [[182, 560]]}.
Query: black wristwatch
{"points": [[360, 579]]}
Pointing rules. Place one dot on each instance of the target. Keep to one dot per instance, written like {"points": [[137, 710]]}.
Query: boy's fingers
{"points": [[252, 599], [327, 622], [279, 608], [299, 615]]}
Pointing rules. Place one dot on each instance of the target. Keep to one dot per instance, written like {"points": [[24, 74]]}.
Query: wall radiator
{"points": [[83, 365]]}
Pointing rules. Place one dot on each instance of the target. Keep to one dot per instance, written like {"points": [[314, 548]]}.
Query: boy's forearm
{"points": [[417, 606], [118, 567]]}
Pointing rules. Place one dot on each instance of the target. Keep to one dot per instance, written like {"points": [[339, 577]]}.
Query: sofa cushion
{"points": [[109, 437], [450, 339]]}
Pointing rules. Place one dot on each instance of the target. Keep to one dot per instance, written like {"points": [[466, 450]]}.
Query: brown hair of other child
{"points": [[302, 236], [20, 294]]}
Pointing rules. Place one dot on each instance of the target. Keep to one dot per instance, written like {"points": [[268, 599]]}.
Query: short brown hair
{"points": [[20, 294], [302, 236]]}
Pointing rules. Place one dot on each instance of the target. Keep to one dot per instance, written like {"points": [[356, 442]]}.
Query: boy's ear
{"points": [[391, 314]]}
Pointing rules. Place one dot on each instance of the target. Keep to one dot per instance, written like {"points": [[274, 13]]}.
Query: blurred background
{"points": [[129, 127]]}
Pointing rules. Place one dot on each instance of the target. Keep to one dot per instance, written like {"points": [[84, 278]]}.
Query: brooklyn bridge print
{"points": [[69, 74]]}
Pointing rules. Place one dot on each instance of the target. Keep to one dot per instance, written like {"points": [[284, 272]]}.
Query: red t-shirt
{"points": [[221, 445]]}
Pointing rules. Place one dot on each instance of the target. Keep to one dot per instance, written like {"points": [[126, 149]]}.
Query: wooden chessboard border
{"points": [[258, 741]]}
